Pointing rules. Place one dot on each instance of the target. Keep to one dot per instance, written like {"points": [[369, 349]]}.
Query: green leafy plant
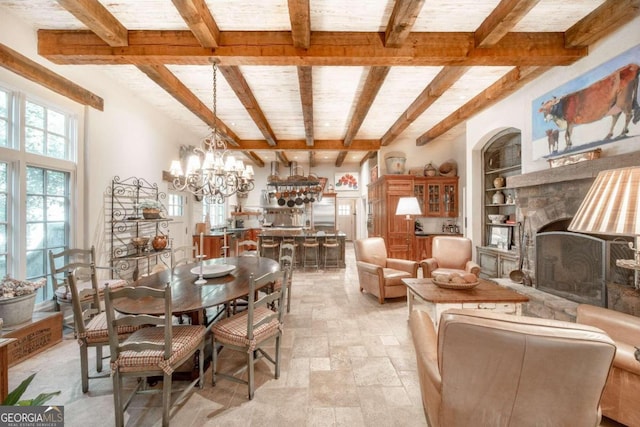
{"points": [[150, 204], [13, 398]]}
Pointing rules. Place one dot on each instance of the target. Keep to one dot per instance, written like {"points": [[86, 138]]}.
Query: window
{"points": [[3, 218], [4, 118], [37, 147], [46, 131], [217, 214], [47, 210], [175, 204]]}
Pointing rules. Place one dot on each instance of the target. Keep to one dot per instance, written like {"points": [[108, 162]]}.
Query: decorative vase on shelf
{"points": [[159, 242], [498, 182], [430, 170], [498, 198]]}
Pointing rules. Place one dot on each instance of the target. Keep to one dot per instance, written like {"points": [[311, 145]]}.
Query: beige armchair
{"points": [[449, 254], [490, 369], [379, 275], [620, 398]]}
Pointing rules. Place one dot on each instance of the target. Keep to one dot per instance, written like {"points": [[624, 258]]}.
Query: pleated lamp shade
{"points": [[612, 205]]}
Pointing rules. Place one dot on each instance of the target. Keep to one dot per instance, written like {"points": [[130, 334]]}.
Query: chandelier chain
{"points": [[214, 101]]}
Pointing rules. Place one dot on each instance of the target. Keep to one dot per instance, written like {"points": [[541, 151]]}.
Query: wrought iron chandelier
{"points": [[212, 173]]}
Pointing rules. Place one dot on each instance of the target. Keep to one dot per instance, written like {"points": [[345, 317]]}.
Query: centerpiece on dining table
{"points": [[210, 271]]}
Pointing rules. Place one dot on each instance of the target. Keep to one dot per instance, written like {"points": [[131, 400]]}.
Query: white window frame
{"points": [[18, 160]]}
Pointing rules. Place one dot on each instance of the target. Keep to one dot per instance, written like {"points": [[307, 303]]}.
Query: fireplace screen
{"points": [[576, 266]]}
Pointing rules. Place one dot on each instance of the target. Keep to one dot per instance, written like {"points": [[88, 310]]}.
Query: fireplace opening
{"points": [[578, 266]]}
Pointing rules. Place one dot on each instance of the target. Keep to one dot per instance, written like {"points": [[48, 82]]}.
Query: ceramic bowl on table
{"points": [[497, 219]]}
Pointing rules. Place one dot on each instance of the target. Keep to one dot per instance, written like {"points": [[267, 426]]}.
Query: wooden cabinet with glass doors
{"points": [[438, 196]]}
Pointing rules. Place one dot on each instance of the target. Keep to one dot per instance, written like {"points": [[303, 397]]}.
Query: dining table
{"points": [[189, 298]]}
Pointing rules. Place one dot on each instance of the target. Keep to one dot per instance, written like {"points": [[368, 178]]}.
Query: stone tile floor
{"points": [[346, 361]]}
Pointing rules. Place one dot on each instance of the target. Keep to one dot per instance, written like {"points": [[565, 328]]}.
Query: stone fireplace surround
{"points": [[554, 195]]}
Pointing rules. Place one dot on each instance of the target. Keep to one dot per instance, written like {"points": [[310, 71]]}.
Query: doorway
{"points": [[347, 217]]}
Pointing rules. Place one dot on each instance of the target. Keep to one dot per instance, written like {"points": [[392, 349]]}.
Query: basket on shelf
{"points": [[151, 213]]}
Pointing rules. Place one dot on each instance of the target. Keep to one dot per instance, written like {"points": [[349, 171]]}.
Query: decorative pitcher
{"points": [[159, 242]]}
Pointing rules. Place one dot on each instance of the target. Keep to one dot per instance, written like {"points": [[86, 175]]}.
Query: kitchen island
{"points": [[298, 235]]}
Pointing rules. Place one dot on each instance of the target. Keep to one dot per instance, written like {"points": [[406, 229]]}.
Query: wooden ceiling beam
{"points": [[282, 158], [174, 87], [502, 20], [327, 48], [372, 85], [254, 158], [434, 90], [341, 156], [402, 18], [31, 70], [369, 155], [305, 81], [506, 85], [300, 144], [198, 17], [607, 18], [98, 19], [300, 17], [236, 80]]}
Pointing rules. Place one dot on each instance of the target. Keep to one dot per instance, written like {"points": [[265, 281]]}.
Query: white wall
{"points": [[128, 138], [516, 111]]}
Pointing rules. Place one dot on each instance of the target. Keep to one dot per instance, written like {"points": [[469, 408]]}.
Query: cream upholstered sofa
{"points": [[449, 254], [379, 275], [490, 369], [621, 398]]}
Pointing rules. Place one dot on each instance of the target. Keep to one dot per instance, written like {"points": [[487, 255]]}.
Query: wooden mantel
{"points": [[581, 170]]}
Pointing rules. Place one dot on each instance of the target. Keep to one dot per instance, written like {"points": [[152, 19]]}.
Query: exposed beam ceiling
{"points": [[23, 66], [513, 34]]}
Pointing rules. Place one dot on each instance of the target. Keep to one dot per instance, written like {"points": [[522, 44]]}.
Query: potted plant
{"points": [[13, 398], [17, 299], [151, 208]]}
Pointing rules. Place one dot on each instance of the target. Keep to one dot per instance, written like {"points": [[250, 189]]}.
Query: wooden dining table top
{"points": [[187, 297]]}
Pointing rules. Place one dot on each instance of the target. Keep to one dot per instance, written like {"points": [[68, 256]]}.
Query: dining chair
{"points": [[248, 332], [286, 259], [149, 352], [91, 324], [247, 248], [184, 255], [62, 263]]}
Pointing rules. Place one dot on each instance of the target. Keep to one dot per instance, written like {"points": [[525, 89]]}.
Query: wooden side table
{"points": [[486, 296], [4, 367]]}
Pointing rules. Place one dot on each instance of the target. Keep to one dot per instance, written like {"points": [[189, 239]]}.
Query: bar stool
{"points": [[331, 243], [269, 245], [310, 243]]}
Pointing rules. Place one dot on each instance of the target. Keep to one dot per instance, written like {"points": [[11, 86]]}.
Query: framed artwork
{"points": [[500, 237], [347, 181], [374, 174], [593, 109]]}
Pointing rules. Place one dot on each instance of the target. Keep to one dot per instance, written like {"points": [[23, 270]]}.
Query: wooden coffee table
{"points": [[486, 296]]}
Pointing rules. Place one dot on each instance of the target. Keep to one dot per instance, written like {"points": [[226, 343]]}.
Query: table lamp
{"points": [[612, 207], [408, 206]]}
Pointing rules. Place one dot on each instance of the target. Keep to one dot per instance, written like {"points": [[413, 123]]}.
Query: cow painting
{"points": [[611, 96], [552, 138]]}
